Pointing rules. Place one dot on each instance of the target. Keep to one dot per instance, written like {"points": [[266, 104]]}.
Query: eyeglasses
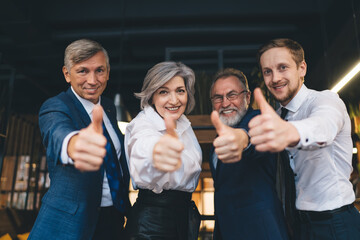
{"points": [[231, 96]]}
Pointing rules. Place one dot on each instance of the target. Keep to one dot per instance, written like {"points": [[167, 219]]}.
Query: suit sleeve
{"points": [[55, 124]]}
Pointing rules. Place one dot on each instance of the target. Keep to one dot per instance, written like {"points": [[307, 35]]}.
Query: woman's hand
{"points": [[167, 151]]}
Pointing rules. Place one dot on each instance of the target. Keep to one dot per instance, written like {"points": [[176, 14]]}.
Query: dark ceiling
{"points": [[204, 34]]}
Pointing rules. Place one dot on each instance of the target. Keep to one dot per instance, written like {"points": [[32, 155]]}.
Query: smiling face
{"points": [[231, 112], [89, 78], [171, 98], [281, 75]]}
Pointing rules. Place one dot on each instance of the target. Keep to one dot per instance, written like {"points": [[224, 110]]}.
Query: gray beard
{"points": [[232, 121]]}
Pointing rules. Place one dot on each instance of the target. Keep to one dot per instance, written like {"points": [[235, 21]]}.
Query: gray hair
{"points": [[227, 72], [81, 50], [159, 75]]}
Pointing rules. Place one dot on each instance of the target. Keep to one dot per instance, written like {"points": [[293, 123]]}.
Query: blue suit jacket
{"points": [[70, 207], [246, 203]]}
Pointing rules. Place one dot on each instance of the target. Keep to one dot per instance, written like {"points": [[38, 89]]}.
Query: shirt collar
{"points": [[181, 124], [86, 103], [298, 100]]}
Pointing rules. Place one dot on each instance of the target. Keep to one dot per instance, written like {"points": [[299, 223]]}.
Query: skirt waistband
{"points": [[169, 198]]}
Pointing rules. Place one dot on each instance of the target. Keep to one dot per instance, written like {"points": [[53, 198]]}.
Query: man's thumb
{"points": [[261, 101], [170, 126], [97, 118], [215, 119]]}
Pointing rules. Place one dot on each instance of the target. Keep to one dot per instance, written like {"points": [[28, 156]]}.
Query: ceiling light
{"points": [[346, 79]]}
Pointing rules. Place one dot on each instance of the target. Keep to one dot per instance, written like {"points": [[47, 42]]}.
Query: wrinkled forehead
{"points": [[98, 60], [227, 84]]}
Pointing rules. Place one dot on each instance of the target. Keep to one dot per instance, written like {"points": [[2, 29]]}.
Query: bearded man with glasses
{"points": [[246, 202]]}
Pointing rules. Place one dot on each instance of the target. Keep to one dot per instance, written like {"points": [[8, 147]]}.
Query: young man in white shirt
{"points": [[317, 136]]}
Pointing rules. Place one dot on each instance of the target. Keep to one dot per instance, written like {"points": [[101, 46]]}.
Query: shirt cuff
{"points": [[65, 159], [307, 139], [249, 144]]}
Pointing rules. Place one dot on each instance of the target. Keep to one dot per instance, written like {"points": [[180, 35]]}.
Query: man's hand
{"points": [[268, 131], [167, 151], [87, 149], [230, 142]]}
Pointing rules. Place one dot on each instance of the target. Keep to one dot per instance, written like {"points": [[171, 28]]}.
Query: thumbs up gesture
{"points": [[268, 131], [230, 142], [167, 151], [87, 148]]}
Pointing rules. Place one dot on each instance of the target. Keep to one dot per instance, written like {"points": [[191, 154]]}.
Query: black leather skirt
{"points": [[159, 216]]}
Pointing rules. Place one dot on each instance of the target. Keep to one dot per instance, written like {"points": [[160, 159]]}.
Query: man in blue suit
{"points": [[88, 194], [246, 202]]}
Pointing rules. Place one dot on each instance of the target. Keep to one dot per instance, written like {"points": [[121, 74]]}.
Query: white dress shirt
{"points": [[106, 199], [322, 159], [141, 135]]}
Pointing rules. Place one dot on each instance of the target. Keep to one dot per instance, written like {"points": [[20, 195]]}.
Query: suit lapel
{"points": [[73, 102], [111, 114]]}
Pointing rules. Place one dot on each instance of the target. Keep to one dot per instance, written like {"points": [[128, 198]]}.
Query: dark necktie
{"points": [[114, 174], [288, 181], [284, 112]]}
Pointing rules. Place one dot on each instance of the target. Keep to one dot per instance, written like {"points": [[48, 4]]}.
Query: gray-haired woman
{"points": [[164, 156]]}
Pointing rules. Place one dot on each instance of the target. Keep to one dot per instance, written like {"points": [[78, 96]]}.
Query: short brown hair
{"points": [[294, 47]]}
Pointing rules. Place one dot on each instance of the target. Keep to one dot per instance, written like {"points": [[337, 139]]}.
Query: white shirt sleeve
{"points": [[249, 144], [65, 159], [324, 119]]}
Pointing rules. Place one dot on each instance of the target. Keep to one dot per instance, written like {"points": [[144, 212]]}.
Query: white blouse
{"points": [[141, 135]]}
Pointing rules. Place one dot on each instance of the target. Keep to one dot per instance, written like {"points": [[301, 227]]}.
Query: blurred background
{"points": [[206, 35]]}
